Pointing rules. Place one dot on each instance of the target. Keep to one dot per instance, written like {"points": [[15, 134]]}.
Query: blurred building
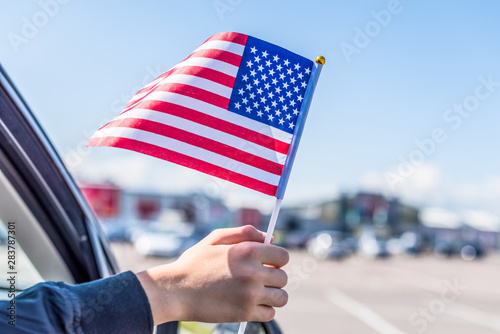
{"points": [[119, 209], [248, 216], [449, 232], [351, 214]]}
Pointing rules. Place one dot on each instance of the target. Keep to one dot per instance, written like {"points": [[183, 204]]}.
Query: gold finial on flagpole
{"points": [[320, 60]]}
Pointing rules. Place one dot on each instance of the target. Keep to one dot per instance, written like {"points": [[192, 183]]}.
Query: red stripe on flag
{"points": [[216, 123], [207, 73], [199, 141], [221, 55], [194, 92], [186, 161], [229, 37], [198, 71]]}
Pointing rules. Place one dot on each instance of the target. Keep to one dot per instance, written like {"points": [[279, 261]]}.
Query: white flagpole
{"points": [[320, 61], [267, 240], [272, 221], [242, 328]]}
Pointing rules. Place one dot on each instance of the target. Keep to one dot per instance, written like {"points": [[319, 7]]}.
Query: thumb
{"points": [[229, 236]]}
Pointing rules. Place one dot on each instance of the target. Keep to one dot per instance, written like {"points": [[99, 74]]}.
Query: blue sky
{"points": [[395, 71]]}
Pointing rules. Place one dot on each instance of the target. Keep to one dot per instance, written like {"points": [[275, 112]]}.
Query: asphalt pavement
{"points": [[397, 295]]}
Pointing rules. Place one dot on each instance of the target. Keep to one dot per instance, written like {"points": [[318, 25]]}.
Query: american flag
{"points": [[230, 110]]}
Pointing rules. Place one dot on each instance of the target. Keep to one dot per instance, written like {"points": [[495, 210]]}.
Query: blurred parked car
{"points": [[468, 250], [119, 231], [446, 248], [168, 236], [373, 247], [350, 244], [328, 244], [297, 239], [471, 251], [411, 242], [167, 240]]}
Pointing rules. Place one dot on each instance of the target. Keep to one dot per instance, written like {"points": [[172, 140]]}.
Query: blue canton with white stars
{"points": [[270, 84]]}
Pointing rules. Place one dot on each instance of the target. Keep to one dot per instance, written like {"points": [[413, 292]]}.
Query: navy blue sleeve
{"points": [[116, 304]]}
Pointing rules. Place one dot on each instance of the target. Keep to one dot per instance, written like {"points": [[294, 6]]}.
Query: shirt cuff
{"points": [[116, 304]]}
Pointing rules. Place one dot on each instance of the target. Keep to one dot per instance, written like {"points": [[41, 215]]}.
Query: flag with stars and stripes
{"points": [[230, 110]]}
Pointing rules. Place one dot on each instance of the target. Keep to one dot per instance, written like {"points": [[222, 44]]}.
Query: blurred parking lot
{"points": [[399, 294]]}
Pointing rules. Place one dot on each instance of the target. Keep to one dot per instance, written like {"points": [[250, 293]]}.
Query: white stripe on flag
{"points": [[199, 82], [214, 64], [224, 46], [189, 150], [205, 131]]}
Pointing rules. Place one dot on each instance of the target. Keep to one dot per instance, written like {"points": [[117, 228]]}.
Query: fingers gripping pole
{"points": [[269, 236]]}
